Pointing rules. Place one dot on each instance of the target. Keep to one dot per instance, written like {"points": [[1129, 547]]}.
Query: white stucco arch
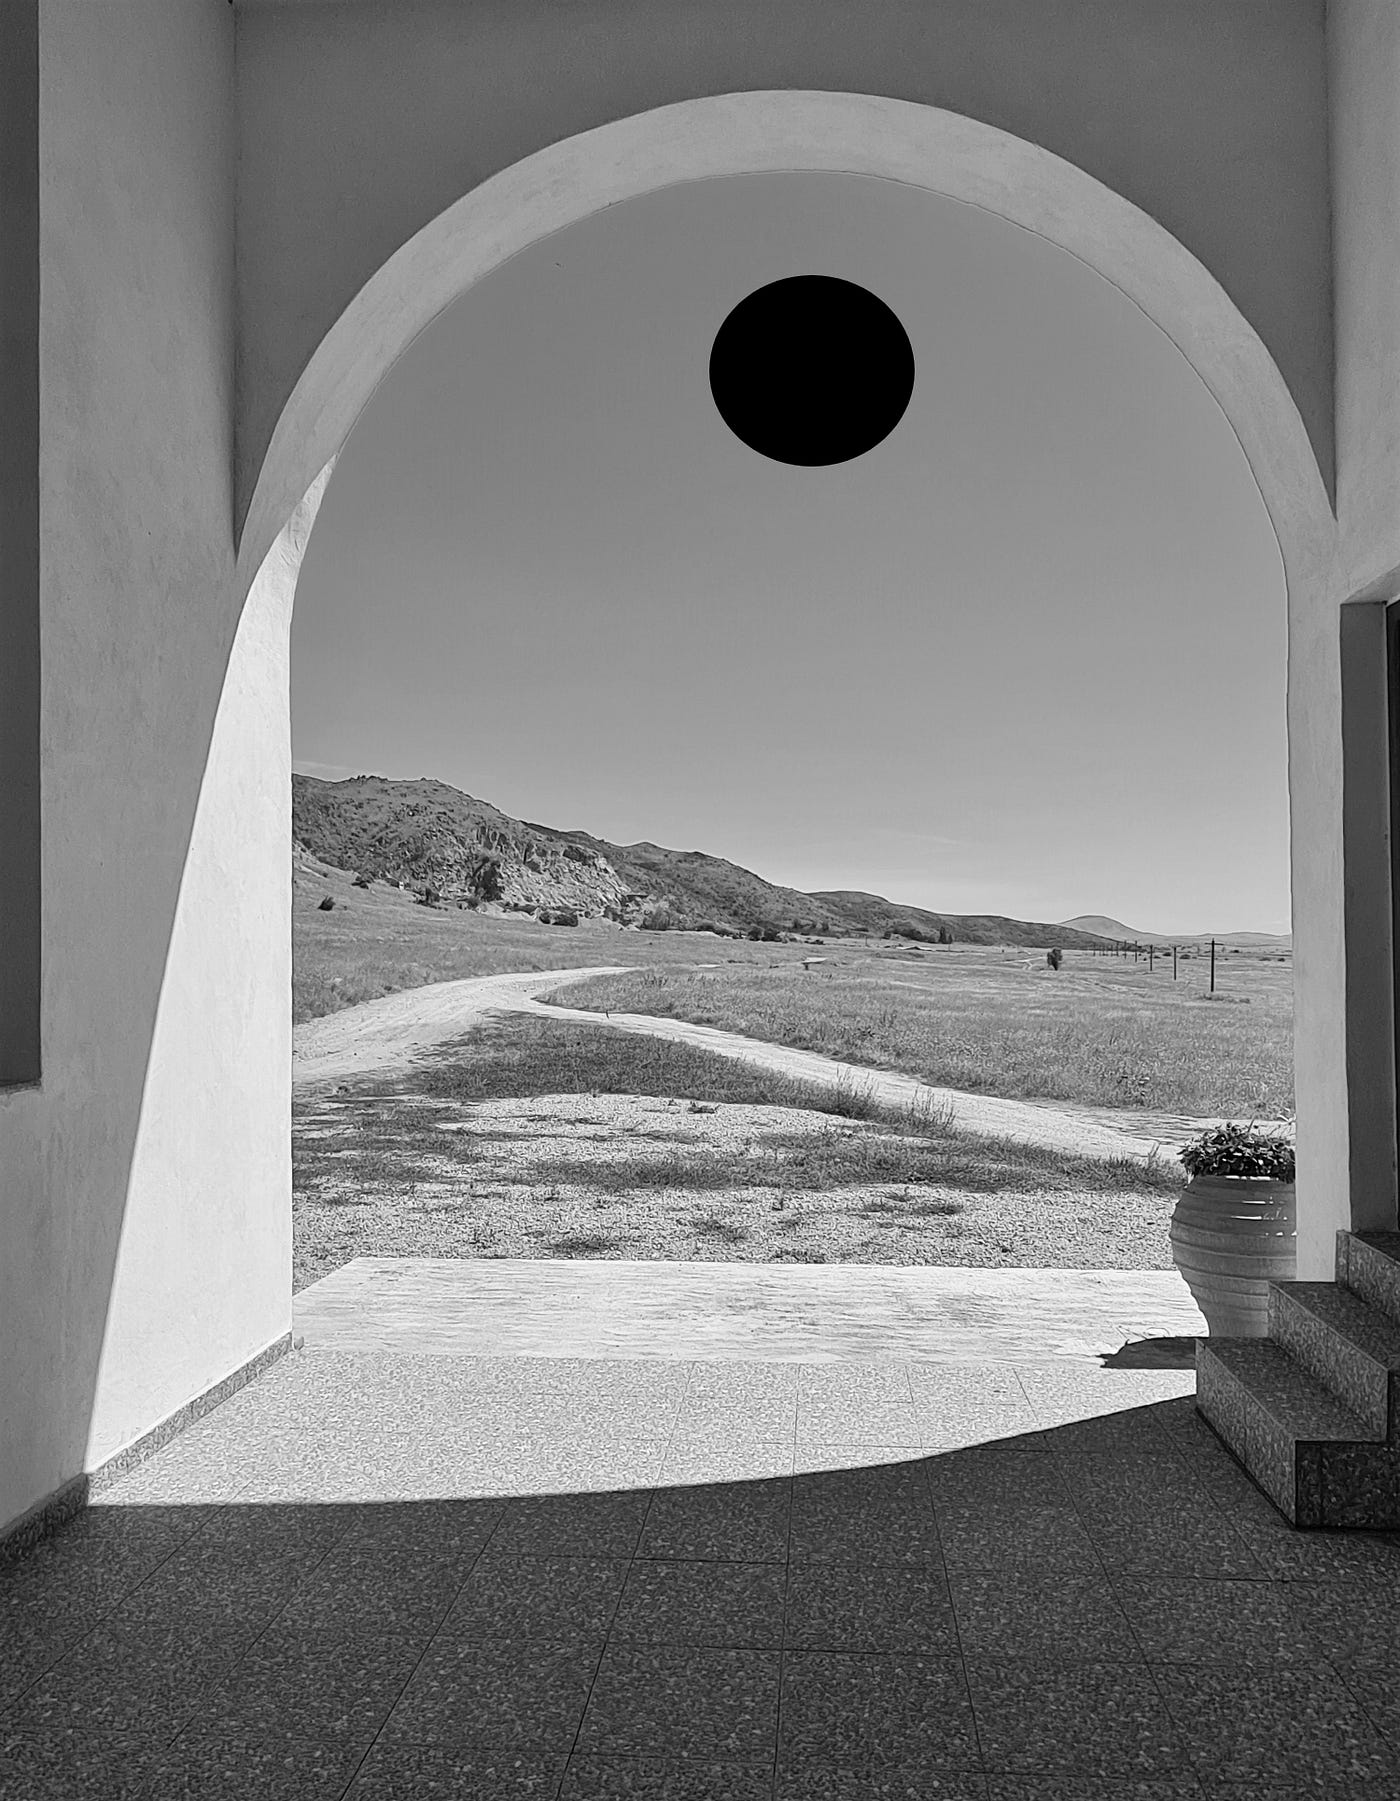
{"points": [[747, 133], [978, 165]]}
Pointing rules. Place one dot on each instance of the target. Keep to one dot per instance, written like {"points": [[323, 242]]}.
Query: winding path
{"points": [[386, 1037]]}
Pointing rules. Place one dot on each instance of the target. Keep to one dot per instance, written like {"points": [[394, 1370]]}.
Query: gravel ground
{"points": [[545, 1177]]}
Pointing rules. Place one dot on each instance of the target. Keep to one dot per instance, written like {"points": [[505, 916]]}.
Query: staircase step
{"points": [[1348, 1346], [1368, 1263], [1277, 1419]]}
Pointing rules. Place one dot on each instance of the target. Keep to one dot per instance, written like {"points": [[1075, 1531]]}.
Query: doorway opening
{"points": [[995, 637]]}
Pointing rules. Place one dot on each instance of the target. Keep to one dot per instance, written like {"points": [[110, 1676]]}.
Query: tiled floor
{"points": [[383, 1576]]}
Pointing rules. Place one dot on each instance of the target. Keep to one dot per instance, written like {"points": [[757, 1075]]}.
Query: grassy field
{"points": [[376, 941], [1102, 1031], [675, 1152]]}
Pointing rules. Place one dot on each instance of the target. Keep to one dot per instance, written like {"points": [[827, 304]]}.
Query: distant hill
{"points": [[1104, 927], [458, 850]]}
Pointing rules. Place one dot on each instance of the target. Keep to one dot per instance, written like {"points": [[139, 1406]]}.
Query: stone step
{"points": [[1368, 1263], [1278, 1419], [1348, 1346]]}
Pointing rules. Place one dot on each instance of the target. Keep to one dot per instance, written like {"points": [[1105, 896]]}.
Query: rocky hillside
{"points": [[454, 850]]}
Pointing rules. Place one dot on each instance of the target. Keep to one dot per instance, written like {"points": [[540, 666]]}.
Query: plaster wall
{"points": [[19, 544], [1364, 107], [1364, 52], [144, 1238], [136, 572]]}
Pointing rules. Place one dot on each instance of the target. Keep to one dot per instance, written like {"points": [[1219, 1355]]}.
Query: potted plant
{"points": [[1234, 1229]]}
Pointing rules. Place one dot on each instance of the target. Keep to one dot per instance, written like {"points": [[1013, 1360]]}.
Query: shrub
{"points": [[1238, 1150], [1054, 956]]}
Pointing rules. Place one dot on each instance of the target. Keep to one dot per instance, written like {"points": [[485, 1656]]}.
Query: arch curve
{"points": [[789, 130], [964, 160]]}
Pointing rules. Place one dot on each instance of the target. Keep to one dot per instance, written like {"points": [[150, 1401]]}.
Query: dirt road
{"points": [[385, 1037]]}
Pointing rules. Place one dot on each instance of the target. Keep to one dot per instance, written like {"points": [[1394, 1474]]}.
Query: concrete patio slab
{"points": [[538, 1307]]}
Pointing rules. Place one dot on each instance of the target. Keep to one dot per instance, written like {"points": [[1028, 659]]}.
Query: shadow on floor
{"points": [[1153, 1354], [1061, 1612]]}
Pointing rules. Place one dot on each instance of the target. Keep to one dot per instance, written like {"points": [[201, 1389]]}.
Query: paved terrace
{"points": [[391, 1574]]}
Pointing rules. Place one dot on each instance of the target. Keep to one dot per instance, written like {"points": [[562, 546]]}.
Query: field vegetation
{"points": [[1100, 1031], [544, 1138], [379, 940]]}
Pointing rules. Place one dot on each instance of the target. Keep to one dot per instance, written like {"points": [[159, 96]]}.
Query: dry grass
{"points": [[1101, 1032], [562, 1140], [376, 941]]}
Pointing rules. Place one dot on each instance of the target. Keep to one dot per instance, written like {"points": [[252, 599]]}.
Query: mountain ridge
{"points": [[1105, 927], [456, 849]]}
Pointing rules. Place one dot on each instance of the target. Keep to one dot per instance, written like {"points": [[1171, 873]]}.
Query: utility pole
{"points": [[1212, 966], [1150, 950], [1173, 962]]}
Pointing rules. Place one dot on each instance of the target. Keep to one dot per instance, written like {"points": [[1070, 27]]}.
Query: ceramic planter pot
{"points": [[1231, 1236]]}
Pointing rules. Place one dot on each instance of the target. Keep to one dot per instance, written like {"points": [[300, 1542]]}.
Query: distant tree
{"points": [[1055, 957], [945, 935]]}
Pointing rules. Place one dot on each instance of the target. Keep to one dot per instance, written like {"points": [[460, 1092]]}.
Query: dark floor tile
{"points": [[1184, 1787], [661, 1779], [874, 1486], [144, 1535], [496, 1694], [1378, 1694], [891, 1521], [745, 1522], [212, 1766], [1285, 1553], [1347, 1622], [1277, 1724], [27, 1651], [76, 1766], [735, 1605], [326, 1685], [1113, 1487], [449, 1528], [290, 1529], [1323, 1787], [1133, 1435], [577, 1525], [1088, 1719], [128, 1682], [852, 1710], [869, 1607], [682, 1702], [875, 1782], [996, 1538], [1205, 1619], [358, 1589], [1021, 1612], [996, 1475], [555, 1598], [215, 1581], [62, 1587], [1198, 1542], [455, 1773]]}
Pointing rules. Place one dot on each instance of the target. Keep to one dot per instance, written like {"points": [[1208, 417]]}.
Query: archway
{"points": [[980, 166]]}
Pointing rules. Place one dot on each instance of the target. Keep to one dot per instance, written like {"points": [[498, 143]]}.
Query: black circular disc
{"points": [[812, 370]]}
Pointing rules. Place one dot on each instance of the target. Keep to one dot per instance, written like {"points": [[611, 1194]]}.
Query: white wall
{"points": [[136, 364], [145, 1222]]}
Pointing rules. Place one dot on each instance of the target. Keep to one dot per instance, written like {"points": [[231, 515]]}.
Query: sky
{"points": [[1026, 656]]}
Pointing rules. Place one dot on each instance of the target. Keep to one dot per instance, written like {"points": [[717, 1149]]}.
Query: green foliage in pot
{"points": [[1236, 1150]]}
